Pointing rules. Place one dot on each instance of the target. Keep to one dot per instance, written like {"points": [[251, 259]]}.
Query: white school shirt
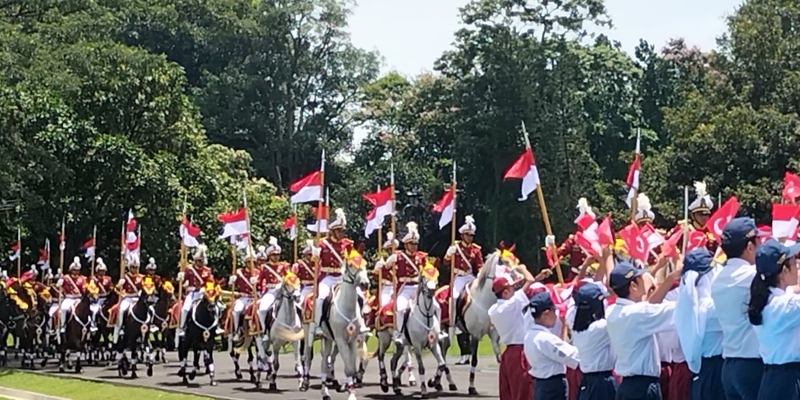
{"points": [[731, 294], [779, 332], [508, 319], [547, 354], [669, 345], [594, 347], [632, 328]]}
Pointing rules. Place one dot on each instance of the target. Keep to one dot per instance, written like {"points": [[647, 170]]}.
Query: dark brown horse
{"points": [[77, 333]]}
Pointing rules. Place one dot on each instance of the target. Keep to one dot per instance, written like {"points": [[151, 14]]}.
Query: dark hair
{"points": [[623, 291], [585, 314], [735, 250], [759, 294], [538, 313]]}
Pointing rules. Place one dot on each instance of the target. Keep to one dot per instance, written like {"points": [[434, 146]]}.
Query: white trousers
{"points": [[405, 297], [238, 308], [97, 306], [264, 303], [324, 289], [386, 294], [188, 303], [124, 306], [459, 283], [66, 306]]}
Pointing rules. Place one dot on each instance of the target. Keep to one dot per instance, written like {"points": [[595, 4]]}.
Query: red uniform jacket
{"points": [[332, 256], [385, 275], [267, 279], [72, 286], [198, 278], [132, 284], [305, 271], [468, 259], [569, 248], [407, 266], [104, 285], [242, 284], [711, 242]]}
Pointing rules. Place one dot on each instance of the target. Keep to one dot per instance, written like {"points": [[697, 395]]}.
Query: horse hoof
{"points": [[473, 391], [238, 375], [149, 370], [43, 363], [185, 381], [384, 387], [423, 396], [61, 369], [412, 382], [252, 378], [258, 384], [453, 387], [438, 387], [304, 386], [398, 392], [326, 397], [192, 375], [273, 386], [134, 375], [213, 383], [182, 372]]}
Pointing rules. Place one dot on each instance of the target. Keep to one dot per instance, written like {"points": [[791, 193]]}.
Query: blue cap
{"points": [[623, 273], [698, 260], [771, 255], [541, 301], [739, 230], [588, 293]]}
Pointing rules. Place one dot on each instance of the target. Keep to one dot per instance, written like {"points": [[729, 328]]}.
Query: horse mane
{"points": [[489, 264]]}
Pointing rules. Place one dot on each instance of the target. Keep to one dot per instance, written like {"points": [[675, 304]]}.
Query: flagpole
{"points": [[121, 257], [94, 256], [318, 236], [548, 229], [451, 306], [19, 255], [294, 244], [685, 219], [182, 265], [635, 200], [380, 281], [62, 243]]}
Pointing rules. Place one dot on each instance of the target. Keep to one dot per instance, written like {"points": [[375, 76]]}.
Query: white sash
{"points": [[413, 264], [335, 253]]}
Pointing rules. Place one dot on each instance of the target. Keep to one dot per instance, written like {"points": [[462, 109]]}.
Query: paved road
{"points": [[164, 377]]}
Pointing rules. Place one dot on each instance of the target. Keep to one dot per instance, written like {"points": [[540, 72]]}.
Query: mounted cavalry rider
{"points": [[331, 255], [104, 286], [304, 269], [128, 288], [271, 276], [195, 277], [242, 283], [699, 213], [466, 260], [72, 286], [386, 275], [150, 271]]}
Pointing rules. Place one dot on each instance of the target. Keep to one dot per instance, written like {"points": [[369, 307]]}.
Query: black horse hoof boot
{"points": [[453, 387], [273, 386], [473, 391]]}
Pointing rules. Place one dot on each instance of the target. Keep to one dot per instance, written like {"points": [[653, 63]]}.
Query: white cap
{"points": [[99, 265], [151, 263], [76, 264], [200, 253], [413, 233], [391, 241], [584, 208], [703, 202], [340, 222], [643, 208], [273, 248], [262, 252], [309, 247], [469, 226]]}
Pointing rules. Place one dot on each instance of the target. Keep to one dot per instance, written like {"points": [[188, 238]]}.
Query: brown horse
{"points": [[77, 332]]}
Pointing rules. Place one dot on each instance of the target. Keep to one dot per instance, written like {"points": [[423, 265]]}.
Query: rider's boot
{"points": [[62, 315], [93, 321], [182, 324], [318, 317], [236, 325], [400, 325], [118, 325]]}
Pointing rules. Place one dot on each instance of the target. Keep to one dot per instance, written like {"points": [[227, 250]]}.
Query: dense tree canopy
{"points": [[109, 105]]}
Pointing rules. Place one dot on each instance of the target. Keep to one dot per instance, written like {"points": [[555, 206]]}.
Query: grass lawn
{"points": [[82, 390]]}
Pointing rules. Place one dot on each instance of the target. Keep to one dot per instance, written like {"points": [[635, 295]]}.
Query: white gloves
{"points": [[232, 280], [121, 282], [315, 251], [179, 277], [451, 251], [550, 240], [60, 282], [253, 280], [380, 263]]}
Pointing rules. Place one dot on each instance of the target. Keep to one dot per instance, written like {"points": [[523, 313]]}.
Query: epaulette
{"points": [[347, 241], [423, 253], [475, 245]]}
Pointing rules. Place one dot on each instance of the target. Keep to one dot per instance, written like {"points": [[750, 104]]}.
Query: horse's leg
{"points": [[494, 338], [307, 351], [409, 366], [473, 365], [423, 387], [183, 355], [398, 352], [332, 381], [298, 363], [348, 352], [261, 357], [195, 362], [273, 357], [251, 360], [134, 358], [209, 361], [384, 340], [327, 348], [237, 370]]}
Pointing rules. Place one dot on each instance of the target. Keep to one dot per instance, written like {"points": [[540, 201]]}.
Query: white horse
{"points": [[475, 320]]}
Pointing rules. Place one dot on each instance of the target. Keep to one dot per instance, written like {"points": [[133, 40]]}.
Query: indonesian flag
{"points": [[131, 240], [586, 222], [189, 233], [309, 187], [381, 202], [605, 235], [291, 225], [722, 216], [792, 240], [654, 238], [89, 247], [635, 241], [14, 254], [240, 241], [791, 187], [633, 172], [524, 168], [446, 206], [44, 255], [235, 223], [323, 220], [670, 246], [764, 233], [784, 220]]}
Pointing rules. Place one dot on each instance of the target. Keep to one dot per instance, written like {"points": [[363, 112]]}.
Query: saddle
{"points": [[463, 302], [309, 303], [113, 313], [174, 314]]}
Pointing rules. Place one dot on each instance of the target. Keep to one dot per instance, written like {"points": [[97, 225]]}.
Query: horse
{"points": [[13, 307], [201, 329], [421, 331], [159, 323], [339, 323], [472, 309], [27, 329], [136, 332], [282, 326], [237, 347], [77, 329], [101, 344]]}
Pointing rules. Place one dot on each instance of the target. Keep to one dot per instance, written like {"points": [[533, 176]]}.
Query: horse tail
{"points": [[364, 353], [287, 335], [244, 344]]}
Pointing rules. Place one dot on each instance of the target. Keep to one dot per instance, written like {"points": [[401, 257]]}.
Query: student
{"points": [[515, 382], [774, 311], [730, 290], [698, 328], [590, 337], [632, 323], [547, 355]]}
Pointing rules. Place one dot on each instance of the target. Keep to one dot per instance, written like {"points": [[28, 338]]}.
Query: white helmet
{"points": [[273, 248], [413, 234], [469, 226], [76, 264]]}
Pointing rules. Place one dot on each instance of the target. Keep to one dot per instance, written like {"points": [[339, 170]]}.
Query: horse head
{"points": [[149, 292], [92, 291], [429, 280], [23, 299], [290, 288], [355, 271], [211, 293], [167, 291]]}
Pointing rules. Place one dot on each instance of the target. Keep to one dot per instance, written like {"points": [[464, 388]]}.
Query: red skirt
{"points": [[666, 375], [679, 382], [574, 377], [515, 381]]}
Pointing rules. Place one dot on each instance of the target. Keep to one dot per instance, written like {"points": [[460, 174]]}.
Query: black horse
{"points": [[11, 321], [77, 330], [135, 332], [28, 320], [200, 334], [159, 324], [101, 346]]}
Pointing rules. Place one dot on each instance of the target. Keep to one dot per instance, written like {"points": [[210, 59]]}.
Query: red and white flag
{"points": [[235, 223], [670, 246], [635, 241], [240, 241], [792, 240], [309, 187], [605, 236], [654, 238], [291, 225], [524, 168], [785, 218], [633, 171], [716, 223], [382, 206], [764, 233], [88, 246], [189, 233], [322, 224], [791, 187], [446, 206], [44, 255], [131, 240], [14, 253]]}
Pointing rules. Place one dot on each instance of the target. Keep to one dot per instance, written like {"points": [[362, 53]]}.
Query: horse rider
{"points": [[466, 260], [643, 217], [150, 272], [270, 277], [407, 264], [242, 283], [570, 248], [195, 277], [72, 286], [128, 288], [699, 213], [386, 275], [304, 269], [104, 286]]}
